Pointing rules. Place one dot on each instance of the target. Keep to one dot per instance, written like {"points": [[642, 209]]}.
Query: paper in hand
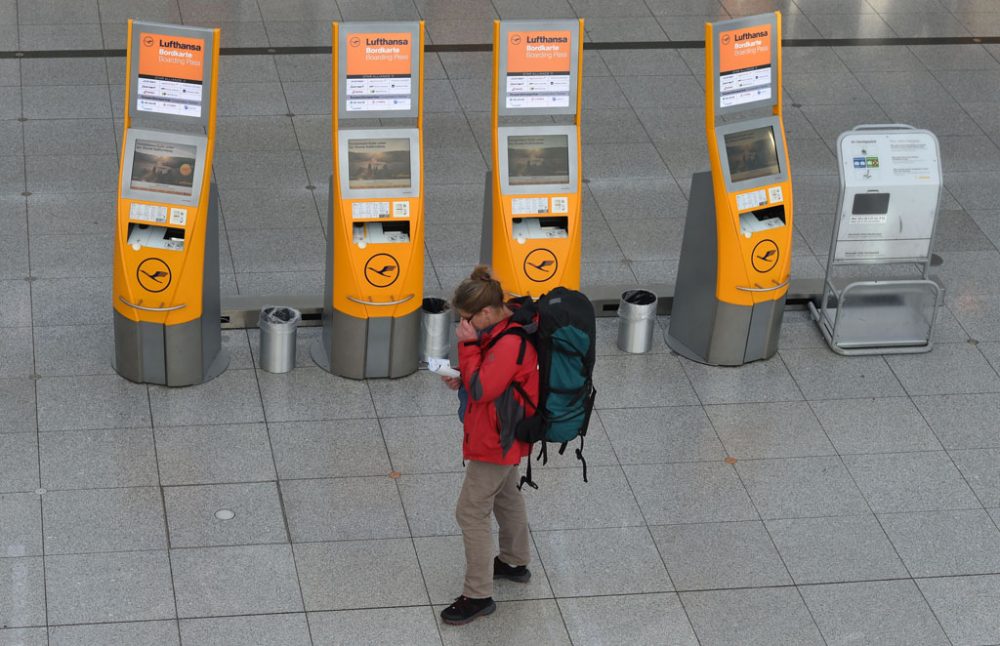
{"points": [[442, 367]]}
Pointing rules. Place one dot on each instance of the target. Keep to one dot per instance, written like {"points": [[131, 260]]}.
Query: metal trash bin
{"points": [[636, 320], [278, 326], [435, 329]]}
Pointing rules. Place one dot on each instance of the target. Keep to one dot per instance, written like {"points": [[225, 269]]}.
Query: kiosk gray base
{"points": [[357, 348], [178, 355], [703, 328]]}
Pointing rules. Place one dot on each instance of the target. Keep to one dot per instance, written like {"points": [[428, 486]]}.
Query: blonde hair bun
{"points": [[477, 291], [481, 272]]}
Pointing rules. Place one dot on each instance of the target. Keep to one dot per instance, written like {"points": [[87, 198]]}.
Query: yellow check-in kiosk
{"points": [[735, 259], [531, 230], [166, 275], [375, 228]]}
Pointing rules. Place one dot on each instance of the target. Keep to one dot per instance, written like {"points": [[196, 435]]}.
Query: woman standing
{"points": [[498, 387]]}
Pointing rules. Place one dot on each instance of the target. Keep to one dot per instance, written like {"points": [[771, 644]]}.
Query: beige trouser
{"points": [[490, 488]]}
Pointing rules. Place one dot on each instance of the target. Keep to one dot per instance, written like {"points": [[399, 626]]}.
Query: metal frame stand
{"points": [[883, 316]]}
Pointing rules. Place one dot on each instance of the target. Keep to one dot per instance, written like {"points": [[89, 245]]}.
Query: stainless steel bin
{"points": [[636, 320], [278, 329], [435, 329]]}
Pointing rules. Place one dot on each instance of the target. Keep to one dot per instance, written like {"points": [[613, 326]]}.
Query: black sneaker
{"points": [[465, 609], [501, 570]]}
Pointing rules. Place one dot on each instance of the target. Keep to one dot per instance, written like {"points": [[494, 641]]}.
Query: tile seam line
{"points": [[464, 48], [533, 531], [588, 596], [390, 539]]}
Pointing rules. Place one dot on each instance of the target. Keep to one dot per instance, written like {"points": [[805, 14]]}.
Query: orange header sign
{"points": [[165, 57], [539, 52], [744, 49], [379, 54]]}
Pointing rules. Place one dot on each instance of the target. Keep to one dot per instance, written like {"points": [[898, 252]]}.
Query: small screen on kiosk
{"points": [[752, 154], [163, 167], [870, 204], [538, 159], [378, 163]]}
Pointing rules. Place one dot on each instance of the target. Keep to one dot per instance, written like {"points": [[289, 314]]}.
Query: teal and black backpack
{"points": [[564, 341]]}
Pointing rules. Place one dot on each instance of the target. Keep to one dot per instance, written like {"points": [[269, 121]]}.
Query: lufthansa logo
{"points": [[381, 270], [725, 39], [355, 41], [148, 41], [154, 275], [765, 256], [515, 39], [540, 265]]}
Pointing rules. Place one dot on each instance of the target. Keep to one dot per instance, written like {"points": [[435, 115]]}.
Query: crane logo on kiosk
{"points": [[375, 248], [381, 270], [154, 275], [166, 274], [531, 231], [735, 260], [540, 265]]}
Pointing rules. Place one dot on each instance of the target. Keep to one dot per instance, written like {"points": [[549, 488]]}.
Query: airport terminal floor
{"points": [[810, 498]]}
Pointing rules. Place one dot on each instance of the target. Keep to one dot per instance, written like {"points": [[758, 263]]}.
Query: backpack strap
{"points": [[516, 331], [579, 456], [526, 478], [524, 395]]}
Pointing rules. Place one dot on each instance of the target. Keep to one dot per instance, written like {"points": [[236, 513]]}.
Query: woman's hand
{"points": [[465, 332], [451, 382]]}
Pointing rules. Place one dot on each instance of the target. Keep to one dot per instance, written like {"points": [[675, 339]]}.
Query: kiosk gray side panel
{"points": [[139, 351], [183, 350], [379, 346], [327, 337], [765, 327], [405, 345], [153, 353], [728, 342], [692, 319], [211, 306], [486, 239], [347, 344], [128, 348]]}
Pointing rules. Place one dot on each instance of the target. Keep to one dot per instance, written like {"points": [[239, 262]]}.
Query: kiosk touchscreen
{"points": [[532, 231], [166, 277], [375, 247], [735, 260]]}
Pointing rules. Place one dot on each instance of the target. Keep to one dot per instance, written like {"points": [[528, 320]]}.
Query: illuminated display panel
{"points": [[163, 167], [379, 163], [752, 154], [538, 159]]}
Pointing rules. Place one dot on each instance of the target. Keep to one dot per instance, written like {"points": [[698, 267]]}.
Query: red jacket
{"points": [[495, 407]]}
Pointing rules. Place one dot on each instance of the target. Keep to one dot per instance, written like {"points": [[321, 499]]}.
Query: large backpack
{"points": [[564, 342]]}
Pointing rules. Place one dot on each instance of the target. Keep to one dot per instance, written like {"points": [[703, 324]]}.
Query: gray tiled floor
{"points": [[808, 499]]}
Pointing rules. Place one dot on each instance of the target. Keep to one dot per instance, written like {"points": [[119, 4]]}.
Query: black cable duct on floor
{"points": [[486, 47]]}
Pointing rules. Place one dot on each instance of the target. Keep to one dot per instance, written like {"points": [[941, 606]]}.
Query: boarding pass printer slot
{"points": [[155, 237], [540, 228], [381, 232], [765, 219]]}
